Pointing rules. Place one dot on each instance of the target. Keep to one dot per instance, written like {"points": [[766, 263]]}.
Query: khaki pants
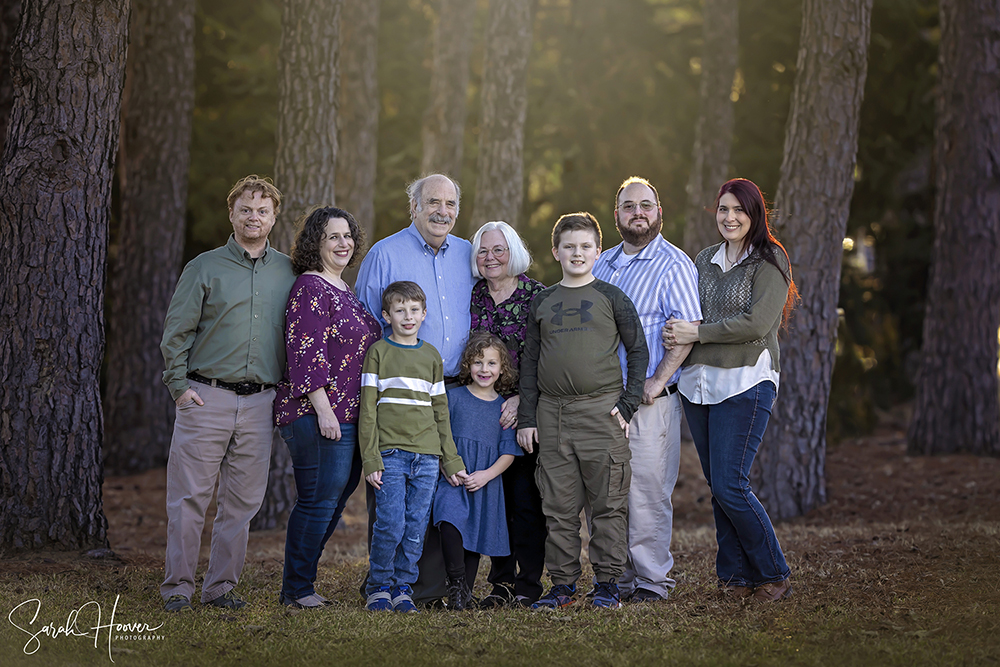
{"points": [[583, 458], [226, 440], [655, 441]]}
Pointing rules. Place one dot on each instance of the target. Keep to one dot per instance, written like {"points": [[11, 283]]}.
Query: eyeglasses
{"points": [[497, 251], [645, 205]]}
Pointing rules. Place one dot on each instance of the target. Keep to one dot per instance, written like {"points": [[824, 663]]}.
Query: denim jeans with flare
{"points": [[727, 436]]}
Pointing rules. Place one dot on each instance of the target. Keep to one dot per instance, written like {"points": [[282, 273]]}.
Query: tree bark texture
{"points": [[443, 130], [957, 406], [153, 180], [308, 82], [813, 202], [55, 193], [304, 168], [500, 180], [10, 15], [713, 134], [359, 107]]}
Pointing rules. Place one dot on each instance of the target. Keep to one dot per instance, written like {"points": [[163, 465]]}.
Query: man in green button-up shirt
{"points": [[223, 346]]}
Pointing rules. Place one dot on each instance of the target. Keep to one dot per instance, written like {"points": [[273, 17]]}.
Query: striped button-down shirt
{"points": [[662, 282]]}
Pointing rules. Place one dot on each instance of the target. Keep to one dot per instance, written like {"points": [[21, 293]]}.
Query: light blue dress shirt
{"points": [[662, 282], [445, 277]]}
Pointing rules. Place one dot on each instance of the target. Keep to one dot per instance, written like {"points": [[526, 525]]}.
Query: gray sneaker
{"points": [[228, 600], [177, 603]]}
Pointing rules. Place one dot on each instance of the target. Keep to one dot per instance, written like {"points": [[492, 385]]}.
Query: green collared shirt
{"points": [[226, 320]]}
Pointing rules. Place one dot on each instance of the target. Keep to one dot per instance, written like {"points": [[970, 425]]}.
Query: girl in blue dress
{"points": [[471, 517]]}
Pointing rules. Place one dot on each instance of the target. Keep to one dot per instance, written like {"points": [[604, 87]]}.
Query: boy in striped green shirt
{"points": [[405, 437]]}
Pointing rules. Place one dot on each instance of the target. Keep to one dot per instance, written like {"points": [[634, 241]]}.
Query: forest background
{"points": [[613, 91], [105, 154]]}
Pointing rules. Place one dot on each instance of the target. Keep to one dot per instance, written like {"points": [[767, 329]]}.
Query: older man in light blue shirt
{"points": [[663, 283], [427, 253]]}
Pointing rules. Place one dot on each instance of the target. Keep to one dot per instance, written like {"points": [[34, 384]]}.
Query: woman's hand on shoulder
{"points": [[508, 412]]}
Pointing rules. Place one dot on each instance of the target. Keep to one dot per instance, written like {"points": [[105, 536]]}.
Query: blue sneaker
{"points": [[380, 600], [401, 600], [558, 597], [607, 595]]}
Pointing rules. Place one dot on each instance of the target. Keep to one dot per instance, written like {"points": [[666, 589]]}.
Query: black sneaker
{"points": [[501, 596], [228, 600], [177, 603], [644, 595]]}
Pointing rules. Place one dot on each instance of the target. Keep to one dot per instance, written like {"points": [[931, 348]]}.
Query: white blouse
{"points": [[710, 385]]}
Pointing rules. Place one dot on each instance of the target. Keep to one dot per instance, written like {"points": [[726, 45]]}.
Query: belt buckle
{"points": [[246, 388]]}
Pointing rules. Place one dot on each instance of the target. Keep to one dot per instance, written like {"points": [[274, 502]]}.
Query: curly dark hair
{"points": [[479, 341], [312, 232]]}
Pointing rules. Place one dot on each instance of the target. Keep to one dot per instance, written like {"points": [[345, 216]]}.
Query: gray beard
{"points": [[642, 239]]}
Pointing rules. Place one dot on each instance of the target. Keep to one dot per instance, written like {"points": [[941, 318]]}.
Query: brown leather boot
{"points": [[774, 591], [737, 592]]}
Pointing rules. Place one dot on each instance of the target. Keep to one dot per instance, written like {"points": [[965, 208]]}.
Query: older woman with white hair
{"points": [[500, 304]]}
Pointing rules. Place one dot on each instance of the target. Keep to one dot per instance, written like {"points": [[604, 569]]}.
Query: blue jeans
{"points": [[727, 436], [326, 474], [402, 510]]}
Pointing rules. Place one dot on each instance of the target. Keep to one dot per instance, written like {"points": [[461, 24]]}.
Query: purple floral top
{"points": [[508, 320], [327, 333]]}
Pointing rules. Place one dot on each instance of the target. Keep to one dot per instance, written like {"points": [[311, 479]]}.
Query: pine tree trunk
{"points": [[957, 407], [713, 135], [304, 168], [153, 177], [358, 118], [813, 202], [55, 195], [500, 183], [10, 15], [308, 82], [443, 130]]}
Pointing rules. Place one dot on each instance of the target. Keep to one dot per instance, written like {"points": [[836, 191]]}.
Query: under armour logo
{"points": [[583, 311]]}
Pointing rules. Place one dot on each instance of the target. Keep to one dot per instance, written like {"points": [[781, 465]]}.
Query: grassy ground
{"points": [[917, 585]]}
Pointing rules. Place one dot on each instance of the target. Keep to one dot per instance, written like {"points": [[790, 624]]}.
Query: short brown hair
{"points": [[254, 183], [312, 233], [402, 290], [479, 342], [576, 221], [631, 180]]}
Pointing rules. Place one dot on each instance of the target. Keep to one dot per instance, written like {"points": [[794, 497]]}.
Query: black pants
{"points": [[458, 561], [526, 527]]}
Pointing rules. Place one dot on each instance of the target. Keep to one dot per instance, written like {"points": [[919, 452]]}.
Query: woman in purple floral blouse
{"points": [[500, 304], [327, 333]]}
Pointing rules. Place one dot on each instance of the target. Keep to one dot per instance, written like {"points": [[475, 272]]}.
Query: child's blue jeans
{"points": [[402, 510]]}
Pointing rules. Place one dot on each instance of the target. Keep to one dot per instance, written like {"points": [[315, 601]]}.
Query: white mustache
{"points": [[435, 217]]}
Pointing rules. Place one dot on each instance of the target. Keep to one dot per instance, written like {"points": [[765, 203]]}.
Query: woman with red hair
{"points": [[730, 381]]}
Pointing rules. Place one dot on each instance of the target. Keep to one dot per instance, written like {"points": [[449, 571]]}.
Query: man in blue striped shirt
{"points": [[662, 282]]}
